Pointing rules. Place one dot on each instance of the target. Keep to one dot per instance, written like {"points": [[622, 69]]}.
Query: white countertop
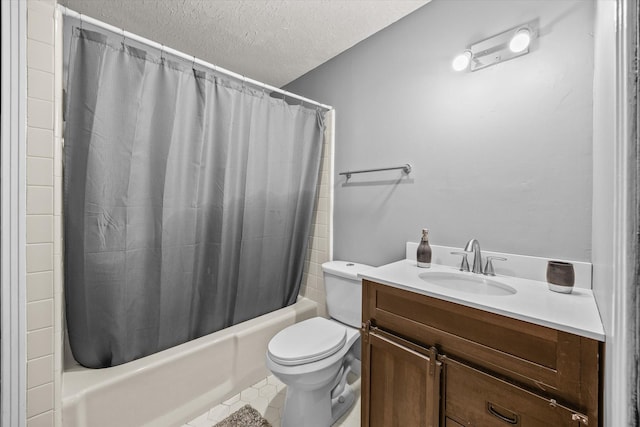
{"points": [[533, 302]]}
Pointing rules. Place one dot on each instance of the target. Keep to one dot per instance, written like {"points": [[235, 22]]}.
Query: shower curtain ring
{"points": [[124, 38], [193, 63], [81, 22], [162, 53]]}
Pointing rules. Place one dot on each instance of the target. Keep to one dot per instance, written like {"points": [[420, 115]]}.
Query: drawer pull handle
{"points": [[493, 411]]}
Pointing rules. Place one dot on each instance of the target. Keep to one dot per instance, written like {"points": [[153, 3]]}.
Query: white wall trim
{"points": [[13, 205], [331, 114], [620, 401]]}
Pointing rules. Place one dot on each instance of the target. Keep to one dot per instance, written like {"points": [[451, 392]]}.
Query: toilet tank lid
{"points": [[346, 269]]}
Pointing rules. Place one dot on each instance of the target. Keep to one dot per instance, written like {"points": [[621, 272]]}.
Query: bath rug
{"points": [[244, 417]]}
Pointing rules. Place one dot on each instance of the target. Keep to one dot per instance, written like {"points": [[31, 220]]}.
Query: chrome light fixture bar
{"points": [[499, 48]]}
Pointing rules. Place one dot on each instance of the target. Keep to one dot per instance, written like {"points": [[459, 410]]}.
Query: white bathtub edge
{"points": [[94, 397]]}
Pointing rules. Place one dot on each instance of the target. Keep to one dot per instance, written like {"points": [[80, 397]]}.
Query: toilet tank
{"points": [[344, 291]]}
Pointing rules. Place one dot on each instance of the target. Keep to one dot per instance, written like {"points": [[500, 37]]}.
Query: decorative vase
{"points": [[560, 276]]}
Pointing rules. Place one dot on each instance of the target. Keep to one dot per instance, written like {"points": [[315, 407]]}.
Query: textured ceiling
{"points": [[273, 41]]}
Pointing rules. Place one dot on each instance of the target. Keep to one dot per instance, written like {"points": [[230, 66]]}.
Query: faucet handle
{"points": [[488, 268], [464, 266]]}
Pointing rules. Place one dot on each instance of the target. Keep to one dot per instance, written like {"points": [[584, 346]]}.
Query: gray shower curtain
{"points": [[188, 200]]}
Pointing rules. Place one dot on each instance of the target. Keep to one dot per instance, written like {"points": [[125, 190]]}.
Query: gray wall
{"points": [[502, 154]]}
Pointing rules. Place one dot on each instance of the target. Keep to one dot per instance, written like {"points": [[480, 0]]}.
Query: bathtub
{"points": [[175, 385]]}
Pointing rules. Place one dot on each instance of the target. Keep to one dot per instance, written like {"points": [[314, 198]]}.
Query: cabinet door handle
{"points": [[493, 411]]}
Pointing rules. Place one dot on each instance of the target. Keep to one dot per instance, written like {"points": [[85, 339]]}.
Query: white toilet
{"points": [[313, 357]]}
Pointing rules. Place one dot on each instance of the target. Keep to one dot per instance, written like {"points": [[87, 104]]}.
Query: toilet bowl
{"points": [[314, 357]]}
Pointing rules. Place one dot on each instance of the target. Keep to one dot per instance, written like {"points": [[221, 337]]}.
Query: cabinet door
{"points": [[401, 385]]}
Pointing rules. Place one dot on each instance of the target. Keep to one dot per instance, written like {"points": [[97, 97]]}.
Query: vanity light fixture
{"points": [[499, 48]]}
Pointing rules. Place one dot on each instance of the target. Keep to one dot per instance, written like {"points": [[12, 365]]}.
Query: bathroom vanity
{"points": [[438, 357]]}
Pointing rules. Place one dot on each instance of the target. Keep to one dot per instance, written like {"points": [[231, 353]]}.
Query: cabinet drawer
{"points": [[474, 398]]}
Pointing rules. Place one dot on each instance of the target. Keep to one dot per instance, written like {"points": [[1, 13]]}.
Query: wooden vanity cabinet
{"points": [[429, 362]]}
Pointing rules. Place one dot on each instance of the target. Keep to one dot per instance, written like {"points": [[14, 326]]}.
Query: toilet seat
{"points": [[307, 341]]}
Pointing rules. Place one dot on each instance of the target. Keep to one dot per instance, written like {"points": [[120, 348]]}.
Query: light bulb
{"points": [[520, 40], [461, 61]]}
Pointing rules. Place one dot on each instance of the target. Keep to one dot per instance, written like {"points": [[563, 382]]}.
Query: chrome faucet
{"points": [[474, 246]]}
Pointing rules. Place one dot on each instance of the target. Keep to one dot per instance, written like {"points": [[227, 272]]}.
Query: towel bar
{"points": [[406, 168]]}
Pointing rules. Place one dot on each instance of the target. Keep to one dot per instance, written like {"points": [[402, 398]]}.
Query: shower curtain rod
{"points": [[127, 35]]}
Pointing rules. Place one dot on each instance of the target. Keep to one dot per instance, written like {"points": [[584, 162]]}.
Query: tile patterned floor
{"points": [[267, 397]]}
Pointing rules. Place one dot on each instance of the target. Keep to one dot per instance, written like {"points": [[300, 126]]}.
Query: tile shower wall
{"points": [[320, 240], [43, 220]]}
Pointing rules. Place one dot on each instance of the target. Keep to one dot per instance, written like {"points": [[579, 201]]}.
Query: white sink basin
{"points": [[473, 284]]}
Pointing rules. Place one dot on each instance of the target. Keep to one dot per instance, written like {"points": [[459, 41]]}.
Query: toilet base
{"points": [[315, 408], [341, 405], [308, 408]]}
